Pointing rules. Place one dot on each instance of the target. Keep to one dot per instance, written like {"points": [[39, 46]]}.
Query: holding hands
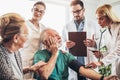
{"points": [[36, 66], [95, 64], [33, 68]]}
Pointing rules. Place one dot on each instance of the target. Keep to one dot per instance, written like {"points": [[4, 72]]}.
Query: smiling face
{"points": [[38, 12]]}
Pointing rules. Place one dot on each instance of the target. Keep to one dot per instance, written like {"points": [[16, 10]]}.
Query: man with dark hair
{"points": [[79, 24]]}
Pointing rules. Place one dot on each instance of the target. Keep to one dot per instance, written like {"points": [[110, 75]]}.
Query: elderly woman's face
{"points": [[22, 37]]}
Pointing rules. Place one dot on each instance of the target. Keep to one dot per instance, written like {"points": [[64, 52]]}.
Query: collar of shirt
{"points": [[80, 26], [102, 30]]}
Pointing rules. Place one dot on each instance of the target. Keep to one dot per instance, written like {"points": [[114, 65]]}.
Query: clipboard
{"points": [[79, 49]]}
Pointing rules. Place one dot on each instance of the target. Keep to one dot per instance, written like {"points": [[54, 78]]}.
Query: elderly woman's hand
{"points": [[36, 66]]}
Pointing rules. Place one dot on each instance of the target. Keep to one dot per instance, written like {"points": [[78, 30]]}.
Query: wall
{"points": [[108, 1], [90, 6], [114, 3]]}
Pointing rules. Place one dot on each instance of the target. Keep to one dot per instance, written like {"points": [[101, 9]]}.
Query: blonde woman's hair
{"points": [[10, 24], [106, 10]]}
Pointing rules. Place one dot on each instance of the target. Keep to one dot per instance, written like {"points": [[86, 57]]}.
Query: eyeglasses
{"points": [[40, 11], [77, 11]]}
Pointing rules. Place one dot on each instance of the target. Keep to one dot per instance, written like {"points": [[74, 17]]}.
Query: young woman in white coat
{"points": [[106, 17], [35, 28]]}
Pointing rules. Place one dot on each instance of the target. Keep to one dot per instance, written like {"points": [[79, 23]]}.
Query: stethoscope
{"points": [[100, 39]]}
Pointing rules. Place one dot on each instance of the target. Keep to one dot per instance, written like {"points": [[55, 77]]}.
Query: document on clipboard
{"points": [[79, 49]]}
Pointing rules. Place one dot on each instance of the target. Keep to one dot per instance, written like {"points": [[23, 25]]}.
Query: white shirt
{"points": [[114, 48], [31, 45]]}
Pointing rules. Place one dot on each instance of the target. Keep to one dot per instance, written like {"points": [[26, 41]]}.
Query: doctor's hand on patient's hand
{"points": [[70, 44], [94, 64]]}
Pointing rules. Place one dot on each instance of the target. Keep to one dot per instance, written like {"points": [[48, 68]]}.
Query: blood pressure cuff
{"points": [[75, 65]]}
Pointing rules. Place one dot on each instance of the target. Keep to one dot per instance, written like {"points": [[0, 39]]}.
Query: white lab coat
{"points": [[90, 28], [114, 49], [105, 41], [31, 45]]}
